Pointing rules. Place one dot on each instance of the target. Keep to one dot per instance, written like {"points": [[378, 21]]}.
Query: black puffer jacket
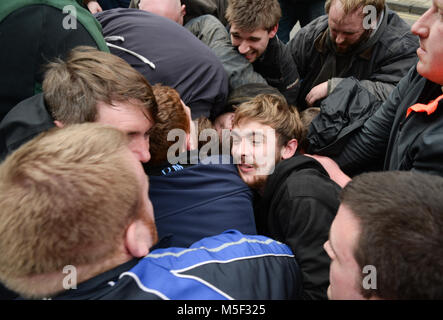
{"points": [[278, 69], [297, 208], [406, 143], [378, 63], [25, 121]]}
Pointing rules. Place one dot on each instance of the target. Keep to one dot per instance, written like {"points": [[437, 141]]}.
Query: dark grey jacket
{"points": [[378, 63], [406, 143], [178, 59]]}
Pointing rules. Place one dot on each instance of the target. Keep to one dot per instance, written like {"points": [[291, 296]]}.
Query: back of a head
{"points": [[352, 5], [170, 9], [401, 220], [250, 15], [171, 115], [66, 198], [247, 92], [73, 87], [274, 111]]}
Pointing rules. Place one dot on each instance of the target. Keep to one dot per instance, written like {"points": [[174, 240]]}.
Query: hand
{"points": [[94, 7], [317, 93], [332, 168]]}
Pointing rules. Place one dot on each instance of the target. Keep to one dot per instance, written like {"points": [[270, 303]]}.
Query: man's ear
{"points": [[289, 150], [188, 142], [273, 31], [58, 124], [136, 239], [183, 10]]}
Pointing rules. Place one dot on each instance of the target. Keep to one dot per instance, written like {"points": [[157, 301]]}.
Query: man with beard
{"points": [[76, 215], [296, 200], [360, 39]]}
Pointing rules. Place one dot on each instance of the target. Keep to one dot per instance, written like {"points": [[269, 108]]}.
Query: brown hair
{"points": [[73, 87], [401, 220], [66, 198], [250, 15], [171, 115], [352, 5], [274, 111]]}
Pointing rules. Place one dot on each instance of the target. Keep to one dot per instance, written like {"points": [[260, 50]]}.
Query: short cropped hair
{"points": [[171, 115], [73, 87], [274, 111], [401, 220], [351, 5], [251, 15], [66, 198]]}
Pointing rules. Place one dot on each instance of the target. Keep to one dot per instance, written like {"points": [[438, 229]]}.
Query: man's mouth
{"points": [[245, 168], [249, 56]]}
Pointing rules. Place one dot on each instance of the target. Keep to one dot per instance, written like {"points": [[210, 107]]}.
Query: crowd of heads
{"points": [[90, 176]]}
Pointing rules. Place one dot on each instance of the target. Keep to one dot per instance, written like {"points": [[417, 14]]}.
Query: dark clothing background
{"points": [[181, 60], [193, 201], [406, 143], [303, 11]]}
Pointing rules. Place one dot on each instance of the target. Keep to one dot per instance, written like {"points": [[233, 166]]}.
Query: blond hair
{"points": [[66, 198], [352, 5], [73, 87], [251, 15], [274, 111]]}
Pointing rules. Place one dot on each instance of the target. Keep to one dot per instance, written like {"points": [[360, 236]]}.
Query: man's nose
{"points": [[243, 47], [141, 150]]}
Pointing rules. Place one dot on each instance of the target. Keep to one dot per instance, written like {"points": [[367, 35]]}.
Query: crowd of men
{"points": [[182, 150]]}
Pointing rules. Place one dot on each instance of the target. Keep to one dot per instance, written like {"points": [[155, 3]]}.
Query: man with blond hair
{"points": [[296, 199], [359, 39], [77, 223]]}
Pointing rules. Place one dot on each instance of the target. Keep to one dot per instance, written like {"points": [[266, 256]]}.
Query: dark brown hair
{"points": [[401, 220]]}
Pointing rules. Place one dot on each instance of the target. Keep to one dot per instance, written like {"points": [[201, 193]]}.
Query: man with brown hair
{"points": [[296, 199], [209, 195], [77, 223], [360, 39], [386, 240], [89, 86]]}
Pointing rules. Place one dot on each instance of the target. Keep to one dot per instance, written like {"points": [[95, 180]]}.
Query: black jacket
{"points": [[378, 63], [278, 69], [297, 208], [343, 112], [25, 121], [406, 143]]}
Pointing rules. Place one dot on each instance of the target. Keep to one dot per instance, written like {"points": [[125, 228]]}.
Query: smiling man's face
{"points": [[251, 44]]}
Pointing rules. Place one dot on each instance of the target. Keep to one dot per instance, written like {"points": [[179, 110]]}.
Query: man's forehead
{"points": [[258, 32]]}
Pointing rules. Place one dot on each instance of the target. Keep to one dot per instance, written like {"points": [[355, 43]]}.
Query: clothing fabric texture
{"points": [[378, 63], [293, 11], [405, 143], [34, 32], [25, 121], [298, 206], [223, 267], [199, 198], [165, 52]]}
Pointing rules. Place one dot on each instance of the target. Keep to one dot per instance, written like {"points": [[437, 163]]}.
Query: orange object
{"points": [[428, 108]]}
